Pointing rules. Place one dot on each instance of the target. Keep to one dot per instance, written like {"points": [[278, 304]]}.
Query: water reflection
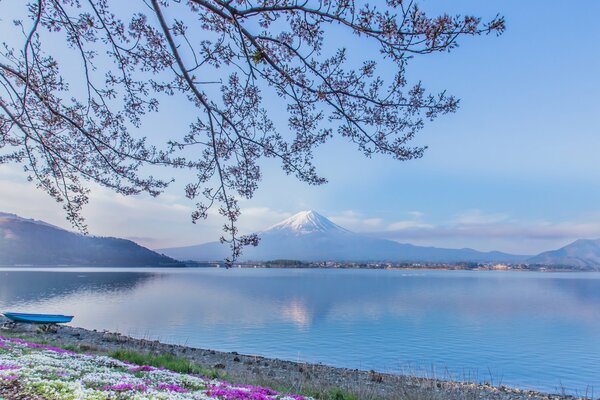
{"points": [[535, 330], [22, 289], [298, 313]]}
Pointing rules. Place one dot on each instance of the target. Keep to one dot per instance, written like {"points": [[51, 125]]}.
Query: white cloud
{"points": [[408, 224], [373, 221], [356, 221], [254, 219], [415, 222], [495, 232], [478, 217]]}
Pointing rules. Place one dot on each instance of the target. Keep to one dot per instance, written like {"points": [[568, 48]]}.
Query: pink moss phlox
{"points": [[224, 390], [36, 345], [142, 368], [172, 388], [241, 393], [258, 389], [125, 387], [9, 367]]}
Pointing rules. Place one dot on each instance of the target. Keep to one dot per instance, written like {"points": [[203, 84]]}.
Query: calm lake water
{"points": [[530, 330]]}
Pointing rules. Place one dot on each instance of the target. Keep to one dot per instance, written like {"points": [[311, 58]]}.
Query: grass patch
{"points": [[166, 361], [316, 392], [42, 341], [331, 394], [32, 339]]}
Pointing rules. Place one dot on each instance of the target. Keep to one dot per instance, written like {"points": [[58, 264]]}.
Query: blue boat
{"points": [[38, 318]]}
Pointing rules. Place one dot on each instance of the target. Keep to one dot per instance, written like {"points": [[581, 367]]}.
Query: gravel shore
{"points": [[296, 376]]}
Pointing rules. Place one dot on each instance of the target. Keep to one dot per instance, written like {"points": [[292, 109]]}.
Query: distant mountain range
{"points": [[306, 236], [309, 236], [37, 243], [582, 253]]}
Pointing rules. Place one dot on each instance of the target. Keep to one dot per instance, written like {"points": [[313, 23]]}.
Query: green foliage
{"points": [[258, 57], [28, 338], [167, 361], [43, 341], [335, 394], [315, 392], [55, 389], [291, 263]]}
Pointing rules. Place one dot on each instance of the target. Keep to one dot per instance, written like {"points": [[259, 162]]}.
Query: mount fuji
{"points": [[309, 236]]}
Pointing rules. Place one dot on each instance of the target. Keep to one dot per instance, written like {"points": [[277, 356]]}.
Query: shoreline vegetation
{"points": [[458, 266], [229, 375]]}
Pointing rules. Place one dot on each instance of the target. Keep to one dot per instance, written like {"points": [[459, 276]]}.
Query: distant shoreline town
{"points": [[465, 266]]}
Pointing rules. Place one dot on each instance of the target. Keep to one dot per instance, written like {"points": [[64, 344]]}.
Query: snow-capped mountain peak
{"points": [[309, 236], [306, 222]]}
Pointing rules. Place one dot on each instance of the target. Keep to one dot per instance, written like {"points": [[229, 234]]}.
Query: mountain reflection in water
{"points": [[531, 330]]}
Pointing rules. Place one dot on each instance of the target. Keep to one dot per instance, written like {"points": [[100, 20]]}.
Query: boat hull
{"points": [[39, 318]]}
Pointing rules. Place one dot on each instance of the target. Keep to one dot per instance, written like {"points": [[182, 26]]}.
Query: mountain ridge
{"points": [[29, 242], [582, 253]]}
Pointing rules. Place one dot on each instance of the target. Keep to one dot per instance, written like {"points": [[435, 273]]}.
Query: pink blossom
{"points": [[36, 346], [142, 368], [8, 367], [242, 393], [172, 388], [125, 387]]}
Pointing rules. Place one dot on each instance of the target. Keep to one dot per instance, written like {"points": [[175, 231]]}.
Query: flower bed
{"points": [[52, 373]]}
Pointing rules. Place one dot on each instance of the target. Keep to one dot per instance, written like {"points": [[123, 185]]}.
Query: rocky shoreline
{"points": [[297, 376]]}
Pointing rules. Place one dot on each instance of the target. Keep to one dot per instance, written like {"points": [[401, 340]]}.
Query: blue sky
{"points": [[515, 169]]}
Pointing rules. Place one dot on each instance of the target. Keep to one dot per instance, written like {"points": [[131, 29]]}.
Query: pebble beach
{"points": [[25, 365]]}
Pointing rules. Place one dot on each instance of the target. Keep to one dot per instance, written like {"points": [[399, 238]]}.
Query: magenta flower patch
{"points": [[242, 393], [142, 368], [125, 387], [172, 388], [36, 346], [8, 367]]}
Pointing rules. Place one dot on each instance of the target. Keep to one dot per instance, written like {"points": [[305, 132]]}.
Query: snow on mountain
{"points": [[309, 236], [305, 222]]}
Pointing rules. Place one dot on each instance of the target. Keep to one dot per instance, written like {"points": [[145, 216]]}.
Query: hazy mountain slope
{"points": [[308, 236], [29, 242], [581, 253]]}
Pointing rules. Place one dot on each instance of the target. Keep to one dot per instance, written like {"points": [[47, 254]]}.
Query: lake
{"points": [[528, 330]]}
